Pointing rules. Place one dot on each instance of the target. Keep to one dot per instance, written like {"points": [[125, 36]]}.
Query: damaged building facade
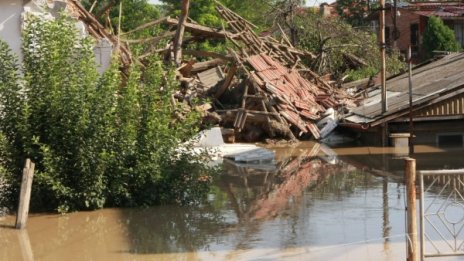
{"points": [[14, 15]]}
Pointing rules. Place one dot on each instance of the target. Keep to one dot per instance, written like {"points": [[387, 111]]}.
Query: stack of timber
{"points": [[260, 88]]}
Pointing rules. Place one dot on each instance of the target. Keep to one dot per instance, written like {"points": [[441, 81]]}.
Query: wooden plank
{"points": [[201, 66], [147, 25], [228, 81], [150, 39], [25, 194], [197, 29], [200, 53]]}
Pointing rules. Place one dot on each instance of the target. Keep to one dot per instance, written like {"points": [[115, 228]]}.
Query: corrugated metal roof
{"points": [[429, 82]]}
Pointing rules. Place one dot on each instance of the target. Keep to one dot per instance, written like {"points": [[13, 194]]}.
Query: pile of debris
{"points": [[260, 89]]}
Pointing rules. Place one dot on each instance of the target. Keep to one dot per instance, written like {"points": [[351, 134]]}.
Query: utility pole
{"points": [[411, 126], [395, 28], [382, 54]]}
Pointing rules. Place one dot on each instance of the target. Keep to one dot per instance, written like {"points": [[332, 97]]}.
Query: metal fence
{"points": [[441, 213]]}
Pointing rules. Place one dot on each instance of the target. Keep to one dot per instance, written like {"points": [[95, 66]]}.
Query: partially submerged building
{"points": [[437, 106]]}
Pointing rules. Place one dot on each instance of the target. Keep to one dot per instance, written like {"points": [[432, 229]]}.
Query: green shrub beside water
{"points": [[97, 140]]}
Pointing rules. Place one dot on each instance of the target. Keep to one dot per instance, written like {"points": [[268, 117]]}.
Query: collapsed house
{"points": [[259, 89]]}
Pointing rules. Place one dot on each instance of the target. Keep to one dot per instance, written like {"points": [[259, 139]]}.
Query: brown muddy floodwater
{"points": [[314, 203]]}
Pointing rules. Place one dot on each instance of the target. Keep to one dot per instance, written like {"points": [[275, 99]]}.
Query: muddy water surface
{"points": [[315, 203]]}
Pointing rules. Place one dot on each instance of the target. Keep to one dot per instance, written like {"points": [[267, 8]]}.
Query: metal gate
{"points": [[441, 213]]}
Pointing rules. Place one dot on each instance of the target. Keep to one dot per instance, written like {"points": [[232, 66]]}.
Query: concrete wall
{"points": [[103, 53], [10, 24]]}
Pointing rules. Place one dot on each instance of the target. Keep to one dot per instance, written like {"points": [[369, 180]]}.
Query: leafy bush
{"points": [[362, 73], [97, 140], [438, 37]]}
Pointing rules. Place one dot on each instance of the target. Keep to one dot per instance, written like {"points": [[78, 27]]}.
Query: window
{"points": [[459, 31], [451, 140], [387, 35], [414, 38]]}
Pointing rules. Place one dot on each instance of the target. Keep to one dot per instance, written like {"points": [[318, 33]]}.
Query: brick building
{"points": [[411, 20]]}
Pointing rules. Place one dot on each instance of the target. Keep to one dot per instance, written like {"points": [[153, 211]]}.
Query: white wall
{"points": [[10, 24], [11, 27]]}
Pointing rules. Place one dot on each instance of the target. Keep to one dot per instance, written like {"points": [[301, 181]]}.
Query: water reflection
{"points": [[313, 203]]}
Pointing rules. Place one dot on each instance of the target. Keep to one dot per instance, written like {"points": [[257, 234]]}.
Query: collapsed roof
{"points": [[260, 84]]}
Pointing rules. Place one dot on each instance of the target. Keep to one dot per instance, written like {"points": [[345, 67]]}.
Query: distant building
{"points": [[328, 10], [411, 20]]}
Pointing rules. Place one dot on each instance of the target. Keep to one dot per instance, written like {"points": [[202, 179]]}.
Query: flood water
{"points": [[314, 203]]}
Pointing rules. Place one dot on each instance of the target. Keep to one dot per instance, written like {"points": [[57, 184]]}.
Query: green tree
{"points": [[285, 13], [134, 12], [354, 11], [202, 11], [248, 9], [334, 41], [205, 13], [438, 37]]}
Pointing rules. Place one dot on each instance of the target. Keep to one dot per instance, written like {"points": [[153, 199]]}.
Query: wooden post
{"points": [[25, 246], [180, 32], [25, 194], [410, 182]]}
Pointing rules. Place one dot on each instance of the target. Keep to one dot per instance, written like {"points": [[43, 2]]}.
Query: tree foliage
{"points": [[204, 11], [96, 140], [353, 11], [134, 12], [438, 37], [335, 41]]}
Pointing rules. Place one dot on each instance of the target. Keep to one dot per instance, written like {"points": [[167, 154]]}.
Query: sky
{"points": [[308, 2]]}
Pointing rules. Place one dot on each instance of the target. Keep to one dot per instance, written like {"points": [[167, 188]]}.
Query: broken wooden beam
{"points": [[200, 30], [180, 32], [201, 53], [227, 81], [201, 66], [150, 39], [147, 25]]}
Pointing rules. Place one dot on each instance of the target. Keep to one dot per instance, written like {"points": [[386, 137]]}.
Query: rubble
{"points": [[260, 89]]}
